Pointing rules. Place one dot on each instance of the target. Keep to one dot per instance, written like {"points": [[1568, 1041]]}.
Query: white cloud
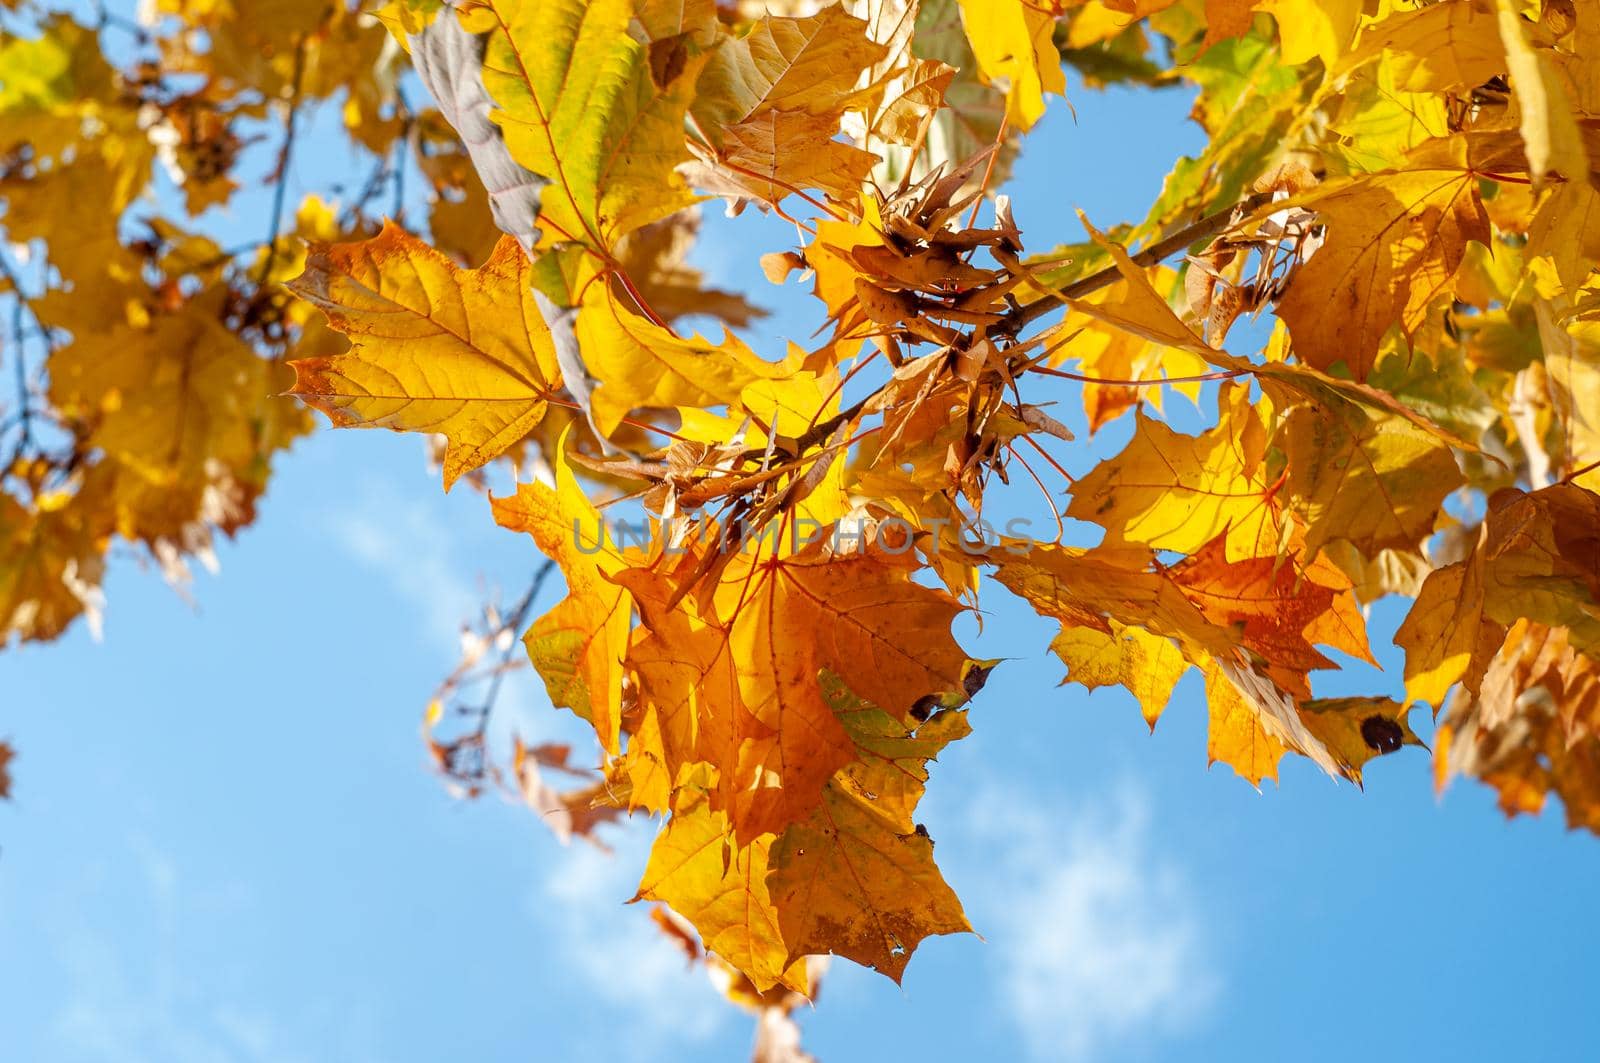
{"points": [[659, 1000], [642, 978], [1096, 941], [402, 540]]}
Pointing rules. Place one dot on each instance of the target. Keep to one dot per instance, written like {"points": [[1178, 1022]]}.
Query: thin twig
{"points": [[285, 155], [402, 153], [1580, 471], [518, 617], [19, 339]]}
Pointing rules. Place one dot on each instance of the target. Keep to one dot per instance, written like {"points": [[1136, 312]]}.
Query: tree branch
{"points": [[1205, 228], [285, 154]]}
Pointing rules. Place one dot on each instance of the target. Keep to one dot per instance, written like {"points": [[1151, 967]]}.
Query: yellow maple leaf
{"points": [[1536, 560], [433, 346], [1357, 729], [1394, 241], [1314, 28], [577, 647], [51, 563], [1147, 665], [1453, 47], [1234, 734], [1012, 42], [699, 871], [595, 111], [1375, 481], [857, 877], [640, 363], [1178, 492]]}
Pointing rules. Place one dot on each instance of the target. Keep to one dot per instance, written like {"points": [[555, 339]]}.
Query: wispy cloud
{"points": [[661, 1003], [143, 1005], [1096, 941], [403, 540]]}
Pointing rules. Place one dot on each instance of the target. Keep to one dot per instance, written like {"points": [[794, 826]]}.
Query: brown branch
{"points": [[1205, 228], [285, 155], [24, 416]]}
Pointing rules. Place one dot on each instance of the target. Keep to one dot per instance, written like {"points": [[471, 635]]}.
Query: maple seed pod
{"points": [[1382, 734]]}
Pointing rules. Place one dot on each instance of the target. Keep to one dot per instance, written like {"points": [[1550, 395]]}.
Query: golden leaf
{"points": [[581, 106], [857, 878], [433, 346], [1394, 242], [1012, 43], [578, 646]]}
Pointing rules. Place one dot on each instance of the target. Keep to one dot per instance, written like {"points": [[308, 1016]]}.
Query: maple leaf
{"points": [[1439, 48], [1148, 666], [1249, 625], [1314, 28], [721, 888], [1136, 307], [1357, 729], [857, 877], [433, 346], [771, 103], [860, 617], [1234, 732], [596, 112], [690, 706], [1394, 241], [1377, 482], [1538, 560], [578, 646], [642, 363], [1011, 41], [1275, 609], [1177, 492], [1109, 586], [1532, 726], [188, 412], [53, 563]]}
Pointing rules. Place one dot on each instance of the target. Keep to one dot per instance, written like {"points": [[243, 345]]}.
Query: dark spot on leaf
{"points": [[973, 681], [668, 57], [923, 707], [1382, 734]]}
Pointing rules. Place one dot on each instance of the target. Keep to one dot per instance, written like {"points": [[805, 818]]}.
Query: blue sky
{"points": [[226, 842]]}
